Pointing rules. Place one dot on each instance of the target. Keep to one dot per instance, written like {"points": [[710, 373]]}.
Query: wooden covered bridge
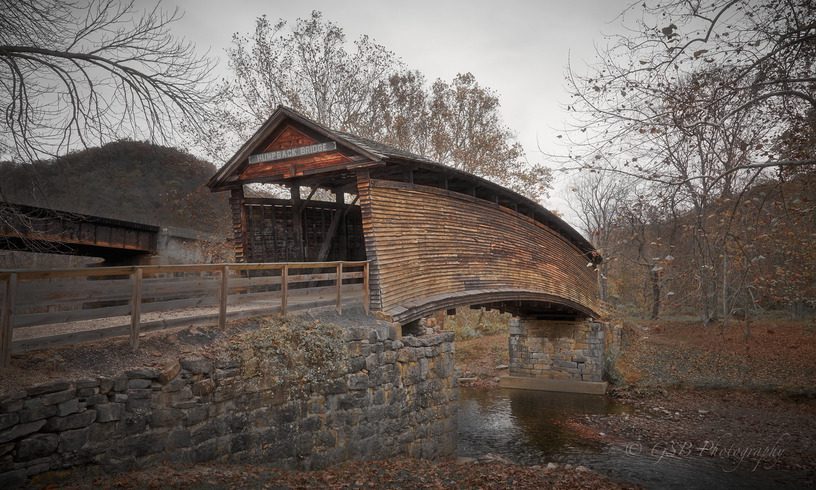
{"points": [[436, 237]]}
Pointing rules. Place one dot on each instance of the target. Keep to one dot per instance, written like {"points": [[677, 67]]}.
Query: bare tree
{"points": [[86, 72], [457, 123], [308, 67], [696, 101], [599, 200], [752, 60]]}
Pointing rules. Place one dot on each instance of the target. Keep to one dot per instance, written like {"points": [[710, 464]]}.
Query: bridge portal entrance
{"points": [[314, 231]]}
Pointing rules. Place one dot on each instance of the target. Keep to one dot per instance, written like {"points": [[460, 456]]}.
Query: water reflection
{"points": [[529, 427]]}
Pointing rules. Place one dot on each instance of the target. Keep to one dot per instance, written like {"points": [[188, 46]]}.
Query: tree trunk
{"points": [[654, 276], [602, 282]]}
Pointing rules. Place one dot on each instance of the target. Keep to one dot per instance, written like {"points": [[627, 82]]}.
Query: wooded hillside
{"points": [[129, 180], [760, 246]]}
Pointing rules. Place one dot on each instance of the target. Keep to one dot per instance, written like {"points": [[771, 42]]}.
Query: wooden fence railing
{"points": [[47, 308]]}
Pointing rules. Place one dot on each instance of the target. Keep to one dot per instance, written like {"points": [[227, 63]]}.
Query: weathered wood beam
{"points": [[308, 199], [136, 308], [223, 298], [239, 223], [340, 200], [297, 221], [325, 247], [7, 319]]}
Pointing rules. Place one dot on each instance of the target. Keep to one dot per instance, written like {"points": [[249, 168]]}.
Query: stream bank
{"points": [[694, 407]]}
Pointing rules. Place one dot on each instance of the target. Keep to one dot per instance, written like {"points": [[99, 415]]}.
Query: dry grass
{"points": [[479, 357]]}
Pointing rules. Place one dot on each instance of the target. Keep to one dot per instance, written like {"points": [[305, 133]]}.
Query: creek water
{"points": [[528, 427]]}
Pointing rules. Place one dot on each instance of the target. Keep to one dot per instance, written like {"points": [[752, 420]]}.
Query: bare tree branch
{"points": [[90, 71]]}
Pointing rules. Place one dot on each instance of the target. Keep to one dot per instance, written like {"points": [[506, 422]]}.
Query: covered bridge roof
{"points": [[329, 158]]}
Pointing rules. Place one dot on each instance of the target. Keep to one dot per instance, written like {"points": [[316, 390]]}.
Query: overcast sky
{"points": [[518, 48]]}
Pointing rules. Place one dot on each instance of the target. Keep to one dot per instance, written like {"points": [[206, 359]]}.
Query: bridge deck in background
{"points": [[36, 229]]}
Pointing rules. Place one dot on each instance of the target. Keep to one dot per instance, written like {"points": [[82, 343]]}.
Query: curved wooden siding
{"points": [[427, 242]]}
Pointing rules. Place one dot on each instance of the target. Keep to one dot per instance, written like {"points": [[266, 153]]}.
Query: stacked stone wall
{"points": [[571, 350], [394, 397]]}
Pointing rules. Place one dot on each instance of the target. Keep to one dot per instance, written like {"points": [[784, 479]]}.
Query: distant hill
{"points": [[129, 180]]}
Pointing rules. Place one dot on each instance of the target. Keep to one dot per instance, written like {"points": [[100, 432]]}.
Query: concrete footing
{"points": [[562, 385]]}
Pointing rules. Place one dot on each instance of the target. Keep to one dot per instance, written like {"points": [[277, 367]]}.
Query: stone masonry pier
{"points": [[557, 355]]}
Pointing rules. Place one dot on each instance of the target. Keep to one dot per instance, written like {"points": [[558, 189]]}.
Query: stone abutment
{"points": [[392, 396]]}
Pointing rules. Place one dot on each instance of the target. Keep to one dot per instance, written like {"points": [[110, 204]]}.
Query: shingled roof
{"points": [[384, 151]]}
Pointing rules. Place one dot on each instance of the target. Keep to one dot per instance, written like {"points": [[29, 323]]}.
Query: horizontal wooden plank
{"points": [[76, 293], [26, 275], [176, 304], [30, 274], [33, 319], [56, 317], [73, 338]]}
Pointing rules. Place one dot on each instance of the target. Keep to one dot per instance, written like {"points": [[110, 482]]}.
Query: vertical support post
{"points": [[342, 240], [366, 290], [240, 224], [7, 323], [284, 288], [339, 306], [297, 222], [222, 304], [135, 307]]}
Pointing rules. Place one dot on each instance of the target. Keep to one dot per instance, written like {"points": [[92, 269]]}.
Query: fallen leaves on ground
{"points": [[392, 473]]}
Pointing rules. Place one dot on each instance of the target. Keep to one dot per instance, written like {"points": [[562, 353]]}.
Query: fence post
{"points": [[339, 306], [135, 307], [366, 291], [222, 304], [7, 323], [284, 288]]}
